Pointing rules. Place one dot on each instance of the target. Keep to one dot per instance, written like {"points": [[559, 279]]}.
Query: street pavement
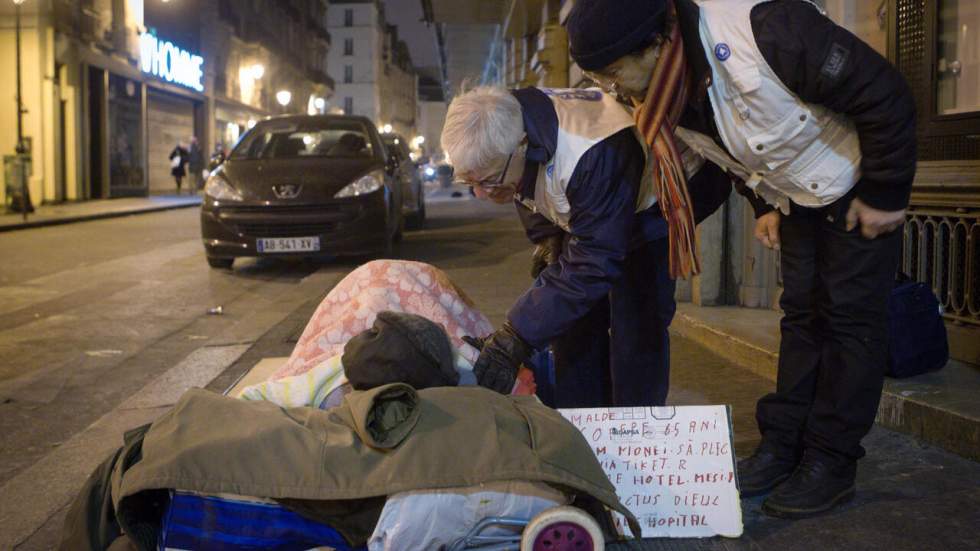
{"points": [[105, 323]]}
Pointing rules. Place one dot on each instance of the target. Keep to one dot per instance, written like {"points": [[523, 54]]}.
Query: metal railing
{"points": [[942, 249]]}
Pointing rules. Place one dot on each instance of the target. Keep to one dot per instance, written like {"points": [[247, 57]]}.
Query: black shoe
{"points": [[814, 488], [763, 471]]}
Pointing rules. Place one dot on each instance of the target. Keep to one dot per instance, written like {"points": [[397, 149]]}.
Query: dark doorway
{"points": [[97, 132]]}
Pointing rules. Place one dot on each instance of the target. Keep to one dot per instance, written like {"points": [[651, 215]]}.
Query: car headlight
{"points": [[220, 190], [363, 185]]}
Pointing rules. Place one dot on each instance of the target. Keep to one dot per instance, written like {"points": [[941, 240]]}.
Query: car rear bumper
{"points": [[353, 226]]}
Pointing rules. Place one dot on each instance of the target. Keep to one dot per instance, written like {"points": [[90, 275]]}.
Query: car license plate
{"points": [[287, 244]]}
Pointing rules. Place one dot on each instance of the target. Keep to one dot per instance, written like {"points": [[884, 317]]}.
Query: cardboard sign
{"points": [[673, 467]]}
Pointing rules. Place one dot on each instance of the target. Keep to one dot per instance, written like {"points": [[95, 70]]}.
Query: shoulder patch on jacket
{"points": [[836, 59]]}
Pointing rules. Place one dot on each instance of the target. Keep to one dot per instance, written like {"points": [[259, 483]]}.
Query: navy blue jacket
{"points": [[602, 193]]}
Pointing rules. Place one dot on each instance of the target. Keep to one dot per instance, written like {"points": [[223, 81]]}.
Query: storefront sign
{"points": [[164, 60], [673, 467]]}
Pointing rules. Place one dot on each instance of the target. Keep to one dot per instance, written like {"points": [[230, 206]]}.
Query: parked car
{"points": [[303, 186], [413, 194]]}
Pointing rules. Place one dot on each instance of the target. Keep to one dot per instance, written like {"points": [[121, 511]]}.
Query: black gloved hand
{"points": [[475, 342], [502, 355], [546, 253]]}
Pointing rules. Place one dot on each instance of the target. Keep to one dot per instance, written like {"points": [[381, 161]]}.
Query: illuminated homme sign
{"points": [[162, 59]]}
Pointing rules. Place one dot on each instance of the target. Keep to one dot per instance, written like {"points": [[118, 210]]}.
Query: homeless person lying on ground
{"points": [[314, 370], [342, 467]]}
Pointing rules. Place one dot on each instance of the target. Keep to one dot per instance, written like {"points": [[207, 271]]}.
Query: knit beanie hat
{"points": [[400, 348], [602, 31]]}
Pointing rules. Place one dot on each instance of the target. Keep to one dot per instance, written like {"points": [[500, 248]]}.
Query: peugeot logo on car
{"points": [[286, 191]]}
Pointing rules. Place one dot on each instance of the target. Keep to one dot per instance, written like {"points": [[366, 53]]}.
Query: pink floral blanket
{"points": [[398, 285]]}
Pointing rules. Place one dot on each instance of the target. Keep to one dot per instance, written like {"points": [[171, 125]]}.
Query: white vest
{"points": [[585, 118], [784, 149]]}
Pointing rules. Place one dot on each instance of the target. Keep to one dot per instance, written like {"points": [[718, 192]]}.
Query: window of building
{"points": [[348, 18], [348, 106], [958, 58], [348, 74], [348, 46]]}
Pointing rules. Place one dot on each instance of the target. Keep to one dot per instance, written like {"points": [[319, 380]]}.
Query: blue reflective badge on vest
{"points": [[722, 51]]}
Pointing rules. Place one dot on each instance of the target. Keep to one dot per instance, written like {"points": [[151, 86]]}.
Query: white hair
{"points": [[483, 126]]}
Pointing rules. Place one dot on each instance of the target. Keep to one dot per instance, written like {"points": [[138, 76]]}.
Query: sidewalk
{"points": [[940, 408], [66, 213]]}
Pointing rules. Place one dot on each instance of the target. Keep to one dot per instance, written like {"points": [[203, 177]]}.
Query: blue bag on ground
{"points": [[226, 523], [916, 333]]}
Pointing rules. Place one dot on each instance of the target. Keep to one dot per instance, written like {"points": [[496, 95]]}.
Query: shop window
{"points": [[348, 18], [348, 74], [125, 137], [348, 106], [348, 46], [937, 48], [958, 57]]}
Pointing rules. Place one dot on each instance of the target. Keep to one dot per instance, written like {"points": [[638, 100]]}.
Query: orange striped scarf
{"points": [[656, 119]]}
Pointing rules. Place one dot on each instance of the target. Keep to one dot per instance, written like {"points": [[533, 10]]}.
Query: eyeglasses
{"points": [[606, 82], [489, 183]]}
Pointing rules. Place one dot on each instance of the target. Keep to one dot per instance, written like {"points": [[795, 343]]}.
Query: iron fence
{"points": [[942, 249]]}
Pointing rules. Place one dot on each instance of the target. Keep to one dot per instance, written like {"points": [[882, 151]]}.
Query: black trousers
{"points": [[832, 355], [619, 354]]}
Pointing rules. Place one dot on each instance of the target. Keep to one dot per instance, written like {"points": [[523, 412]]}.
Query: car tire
{"points": [[388, 246], [416, 220], [400, 232], [220, 263]]}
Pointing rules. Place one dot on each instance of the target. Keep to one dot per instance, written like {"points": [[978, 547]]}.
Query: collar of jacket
{"points": [[689, 19], [541, 127], [385, 415]]}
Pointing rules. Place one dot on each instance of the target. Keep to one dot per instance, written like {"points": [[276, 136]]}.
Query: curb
{"points": [[94, 216], [905, 405], [741, 352]]}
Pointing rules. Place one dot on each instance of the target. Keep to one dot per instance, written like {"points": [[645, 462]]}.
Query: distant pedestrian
{"points": [[195, 164], [179, 158]]}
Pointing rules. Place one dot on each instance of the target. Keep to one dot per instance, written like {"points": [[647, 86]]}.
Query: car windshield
{"points": [[306, 139]]}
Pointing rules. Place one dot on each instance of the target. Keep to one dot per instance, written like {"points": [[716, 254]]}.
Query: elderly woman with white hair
{"points": [[574, 163]]}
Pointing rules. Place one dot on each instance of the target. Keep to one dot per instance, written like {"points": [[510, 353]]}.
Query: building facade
{"points": [[111, 86], [372, 68], [432, 114]]}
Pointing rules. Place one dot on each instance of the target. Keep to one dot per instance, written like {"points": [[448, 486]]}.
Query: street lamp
{"points": [[386, 129], [21, 149], [284, 97]]}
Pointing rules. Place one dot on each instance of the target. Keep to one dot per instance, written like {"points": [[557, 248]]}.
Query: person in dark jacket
{"points": [[195, 163], [179, 158], [574, 163], [821, 129]]}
